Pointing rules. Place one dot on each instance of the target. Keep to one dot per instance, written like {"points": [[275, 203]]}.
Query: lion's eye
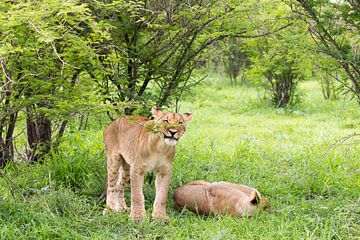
{"points": [[165, 121]]}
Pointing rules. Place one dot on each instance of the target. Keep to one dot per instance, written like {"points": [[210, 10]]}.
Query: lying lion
{"points": [[217, 198]]}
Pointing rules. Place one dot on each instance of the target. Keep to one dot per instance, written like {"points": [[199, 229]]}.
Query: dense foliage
{"points": [[334, 26], [45, 45]]}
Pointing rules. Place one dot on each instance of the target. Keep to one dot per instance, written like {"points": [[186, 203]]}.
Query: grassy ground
{"points": [[314, 189]]}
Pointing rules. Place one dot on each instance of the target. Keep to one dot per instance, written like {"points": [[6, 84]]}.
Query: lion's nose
{"points": [[172, 131]]}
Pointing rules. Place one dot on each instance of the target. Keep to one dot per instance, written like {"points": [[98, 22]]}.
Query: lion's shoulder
{"points": [[124, 124], [131, 121], [135, 118]]}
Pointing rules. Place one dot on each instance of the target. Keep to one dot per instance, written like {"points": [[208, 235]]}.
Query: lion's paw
{"points": [[108, 211], [137, 216], [160, 216]]}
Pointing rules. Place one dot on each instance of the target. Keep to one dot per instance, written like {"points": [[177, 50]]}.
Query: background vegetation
{"points": [[273, 85]]}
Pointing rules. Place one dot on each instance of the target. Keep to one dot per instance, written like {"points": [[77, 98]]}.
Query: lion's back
{"points": [[125, 129]]}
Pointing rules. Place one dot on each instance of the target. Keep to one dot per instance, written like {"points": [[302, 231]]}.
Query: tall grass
{"points": [[313, 188]]}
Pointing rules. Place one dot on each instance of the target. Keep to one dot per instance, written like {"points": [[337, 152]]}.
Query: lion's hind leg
{"points": [[124, 175], [116, 181]]}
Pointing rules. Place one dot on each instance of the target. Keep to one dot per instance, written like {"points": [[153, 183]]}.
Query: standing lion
{"points": [[136, 145]]}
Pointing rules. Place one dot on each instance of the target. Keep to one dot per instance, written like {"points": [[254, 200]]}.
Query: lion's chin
{"points": [[170, 141]]}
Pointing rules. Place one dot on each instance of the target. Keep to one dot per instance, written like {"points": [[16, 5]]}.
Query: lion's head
{"points": [[171, 125]]}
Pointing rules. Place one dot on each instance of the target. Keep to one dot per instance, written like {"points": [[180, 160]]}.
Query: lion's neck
{"points": [[157, 142]]}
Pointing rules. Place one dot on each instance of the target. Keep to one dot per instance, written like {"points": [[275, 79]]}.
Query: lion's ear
{"points": [[187, 117], [254, 198], [156, 112]]}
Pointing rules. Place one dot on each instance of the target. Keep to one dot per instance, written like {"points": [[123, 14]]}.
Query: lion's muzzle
{"points": [[171, 137]]}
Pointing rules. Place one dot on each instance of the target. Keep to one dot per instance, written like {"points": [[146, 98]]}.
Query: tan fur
{"points": [[207, 198], [134, 146]]}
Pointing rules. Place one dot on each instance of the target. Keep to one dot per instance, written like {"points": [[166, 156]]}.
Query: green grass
{"points": [[313, 189]]}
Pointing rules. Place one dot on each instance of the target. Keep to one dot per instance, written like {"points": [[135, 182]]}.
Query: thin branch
{"points": [[260, 35], [9, 183], [340, 142], [4, 70], [72, 28], [54, 48]]}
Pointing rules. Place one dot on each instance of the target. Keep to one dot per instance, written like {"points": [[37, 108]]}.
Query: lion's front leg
{"points": [[137, 196], [162, 183]]}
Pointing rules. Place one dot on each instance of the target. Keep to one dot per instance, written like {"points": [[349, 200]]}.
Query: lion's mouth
{"points": [[170, 140], [170, 137]]}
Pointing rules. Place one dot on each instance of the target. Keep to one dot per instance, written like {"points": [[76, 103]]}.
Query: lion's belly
{"points": [[148, 158], [154, 163]]}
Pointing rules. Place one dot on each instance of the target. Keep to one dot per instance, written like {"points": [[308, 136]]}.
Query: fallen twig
{"points": [[8, 182], [340, 141]]}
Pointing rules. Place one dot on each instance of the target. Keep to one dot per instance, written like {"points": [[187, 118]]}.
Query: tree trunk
{"points": [[7, 143], [39, 136], [3, 160]]}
